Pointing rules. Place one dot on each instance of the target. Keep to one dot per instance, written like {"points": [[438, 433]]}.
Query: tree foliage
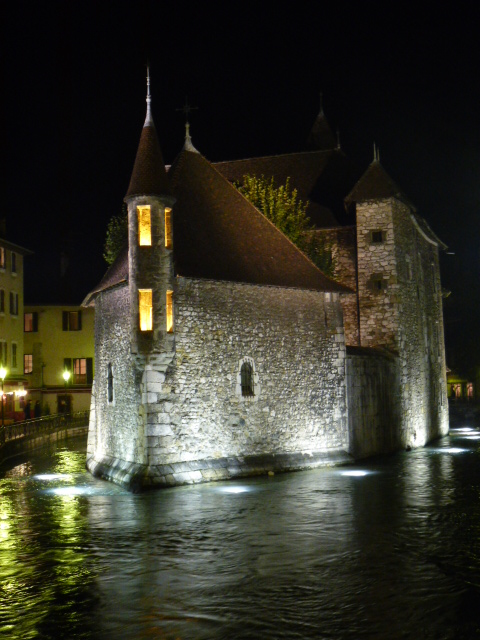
{"points": [[116, 237], [282, 206]]}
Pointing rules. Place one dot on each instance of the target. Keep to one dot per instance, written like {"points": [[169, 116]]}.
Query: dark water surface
{"points": [[319, 554]]}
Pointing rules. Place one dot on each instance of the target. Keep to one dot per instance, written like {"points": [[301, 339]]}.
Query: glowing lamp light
{"points": [[3, 373], [355, 473], [66, 376]]}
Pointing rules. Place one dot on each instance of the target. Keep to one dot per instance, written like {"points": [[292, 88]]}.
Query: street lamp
{"points": [[66, 377], [3, 373]]}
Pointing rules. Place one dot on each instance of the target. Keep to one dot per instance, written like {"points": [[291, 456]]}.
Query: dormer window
{"points": [[168, 228], [144, 226], [145, 309]]}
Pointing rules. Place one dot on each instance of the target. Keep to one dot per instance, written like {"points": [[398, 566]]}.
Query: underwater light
{"points": [[71, 491], [234, 489], [53, 476], [452, 450], [462, 429], [472, 437], [356, 473]]}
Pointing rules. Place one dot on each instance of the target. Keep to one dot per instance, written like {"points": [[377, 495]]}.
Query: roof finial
{"points": [[148, 119], [338, 140], [188, 146], [374, 152], [321, 104]]}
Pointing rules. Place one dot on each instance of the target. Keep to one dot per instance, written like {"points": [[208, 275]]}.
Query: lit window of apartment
{"points": [[144, 226], [168, 228], [3, 258], [30, 322], [145, 309], [27, 363], [13, 303], [14, 262], [170, 311], [80, 368], [14, 355], [2, 300], [71, 320]]}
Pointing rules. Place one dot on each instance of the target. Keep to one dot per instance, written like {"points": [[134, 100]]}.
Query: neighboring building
{"points": [[11, 325], [59, 338], [221, 350]]}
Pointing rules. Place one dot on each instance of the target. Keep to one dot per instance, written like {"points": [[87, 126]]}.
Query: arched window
{"points": [[246, 376], [110, 383]]}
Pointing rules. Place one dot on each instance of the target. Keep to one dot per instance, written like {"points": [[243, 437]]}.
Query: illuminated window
{"points": [[144, 226], [71, 321], [27, 363], [145, 309], [2, 258], [13, 303], [168, 228], [14, 355], [81, 369], [14, 262], [2, 301], [30, 322], [170, 311], [110, 383]]}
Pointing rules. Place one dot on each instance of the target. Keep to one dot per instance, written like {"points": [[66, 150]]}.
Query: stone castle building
{"points": [[222, 350]]}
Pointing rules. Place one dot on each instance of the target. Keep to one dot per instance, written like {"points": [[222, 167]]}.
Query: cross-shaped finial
{"points": [[187, 109]]}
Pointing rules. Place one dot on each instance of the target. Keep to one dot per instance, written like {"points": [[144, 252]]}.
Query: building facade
{"points": [[222, 350], [11, 326], [59, 339]]}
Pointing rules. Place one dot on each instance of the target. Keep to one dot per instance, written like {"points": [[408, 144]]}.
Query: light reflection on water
{"points": [[390, 554]]}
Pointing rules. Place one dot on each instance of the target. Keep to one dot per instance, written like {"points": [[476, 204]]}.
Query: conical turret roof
{"points": [[321, 137], [148, 176]]}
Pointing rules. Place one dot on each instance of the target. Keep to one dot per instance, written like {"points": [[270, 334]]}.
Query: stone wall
{"points": [[404, 312], [373, 398], [342, 242], [187, 405], [295, 342]]}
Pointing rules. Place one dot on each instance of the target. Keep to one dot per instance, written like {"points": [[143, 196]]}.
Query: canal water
{"points": [[383, 550]]}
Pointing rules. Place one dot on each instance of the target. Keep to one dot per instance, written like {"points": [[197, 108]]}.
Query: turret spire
{"points": [[148, 119], [188, 146]]}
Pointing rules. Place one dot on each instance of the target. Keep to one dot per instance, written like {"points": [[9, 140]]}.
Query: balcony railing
{"points": [[44, 425]]}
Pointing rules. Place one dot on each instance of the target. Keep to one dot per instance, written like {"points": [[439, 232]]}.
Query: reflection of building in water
{"points": [[221, 349]]}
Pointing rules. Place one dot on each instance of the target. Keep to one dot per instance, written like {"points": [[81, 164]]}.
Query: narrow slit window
{"points": [[145, 309], [144, 226], [168, 228], [246, 375], [170, 311], [110, 383]]}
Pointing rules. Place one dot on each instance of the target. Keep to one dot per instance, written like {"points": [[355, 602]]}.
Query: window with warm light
{"points": [[144, 226], [27, 363], [2, 258], [168, 228], [30, 322], [170, 311], [145, 309]]}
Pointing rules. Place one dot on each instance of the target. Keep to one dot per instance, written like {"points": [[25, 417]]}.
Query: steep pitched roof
{"points": [[148, 176], [321, 136], [321, 177], [116, 274], [220, 235], [375, 184]]}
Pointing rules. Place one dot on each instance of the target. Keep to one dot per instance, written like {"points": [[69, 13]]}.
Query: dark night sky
{"points": [[73, 104]]}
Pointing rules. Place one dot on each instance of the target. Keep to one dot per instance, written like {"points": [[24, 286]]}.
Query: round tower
{"points": [[150, 244]]}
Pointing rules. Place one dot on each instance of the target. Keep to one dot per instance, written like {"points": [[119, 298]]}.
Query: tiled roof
{"points": [[148, 176], [321, 177], [220, 235], [116, 274], [375, 184], [321, 136]]}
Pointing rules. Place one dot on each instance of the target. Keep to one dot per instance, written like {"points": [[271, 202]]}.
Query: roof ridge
{"points": [[279, 155]]}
